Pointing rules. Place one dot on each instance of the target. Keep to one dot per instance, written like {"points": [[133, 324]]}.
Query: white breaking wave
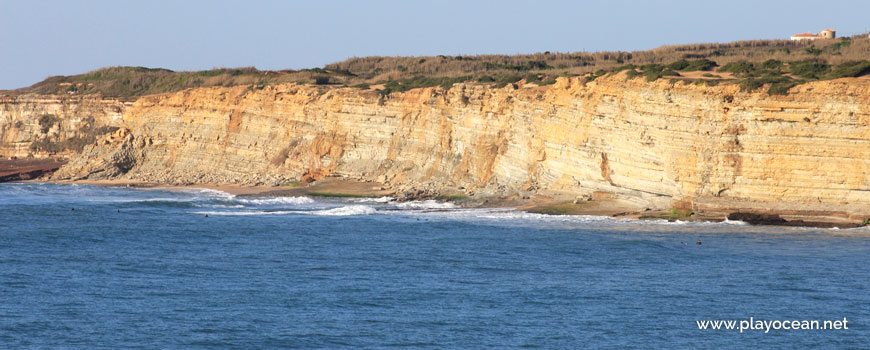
{"points": [[276, 200], [345, 211], [143, 200], [203, 191], [384, 199], [733, 222], [225, 206], [427, 204], [245, 213]]}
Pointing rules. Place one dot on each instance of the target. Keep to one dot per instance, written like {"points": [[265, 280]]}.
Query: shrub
{"points": [[622, 68], [844, 42], [812, 50], [781, 88], [778, 84], [46, 121], [486, 79], [851, 69], [692, 66], [702, 64], [808, 69], [741, 67], [421, 82], [772, 64], [652, 67], [321, 80], [679, 65], [503, 80]]}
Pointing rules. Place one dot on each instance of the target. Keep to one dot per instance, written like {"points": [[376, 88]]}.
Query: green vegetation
{"points": [[741, 67], [850, 69], [652, 72], [451, 197], [778, 85], [692, 66], [362, 86], [808, 69], [844, 42], [757, 59], [558, 209], [525, 66], [47, 121], [812, 50], [772, 65], [420, 82]]}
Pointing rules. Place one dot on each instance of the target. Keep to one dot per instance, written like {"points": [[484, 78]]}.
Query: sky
{"points": [[45, 38]]}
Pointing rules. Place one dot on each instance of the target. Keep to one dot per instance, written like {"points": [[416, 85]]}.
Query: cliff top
{"points": [[780, 64]]}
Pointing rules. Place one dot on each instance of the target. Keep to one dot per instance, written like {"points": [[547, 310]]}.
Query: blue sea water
{"points": [[146, 269]]}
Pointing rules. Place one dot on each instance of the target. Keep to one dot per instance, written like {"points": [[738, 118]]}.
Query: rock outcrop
{"points": [[45, 126], [660, 144]]}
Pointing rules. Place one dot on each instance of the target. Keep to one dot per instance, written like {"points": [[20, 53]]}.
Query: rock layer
{"points": [[69, 116], [660, 144]]}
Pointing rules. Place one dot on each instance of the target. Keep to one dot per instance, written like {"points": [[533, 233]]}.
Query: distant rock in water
{"points": [[758, 219]]}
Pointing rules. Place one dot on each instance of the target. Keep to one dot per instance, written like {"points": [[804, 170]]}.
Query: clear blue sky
{"points": [[44, 38]]}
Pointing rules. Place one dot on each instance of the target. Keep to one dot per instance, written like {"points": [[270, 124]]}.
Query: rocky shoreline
{"points": [[337, 187]]}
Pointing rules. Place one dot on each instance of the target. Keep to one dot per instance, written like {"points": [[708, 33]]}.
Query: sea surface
{"points": [[84, 267]]}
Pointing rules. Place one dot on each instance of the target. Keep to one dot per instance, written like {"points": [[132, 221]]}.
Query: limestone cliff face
{"points": [[657, 143], [28, 121]]}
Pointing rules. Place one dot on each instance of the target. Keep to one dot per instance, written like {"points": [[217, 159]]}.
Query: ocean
{"points": [[85, 267]]}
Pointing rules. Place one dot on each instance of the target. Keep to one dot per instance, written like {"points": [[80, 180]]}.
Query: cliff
{"points": [[658, 144], [45, 126]]}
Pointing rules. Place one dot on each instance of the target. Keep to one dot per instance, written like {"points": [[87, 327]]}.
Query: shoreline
{"points": [[539, 204]]}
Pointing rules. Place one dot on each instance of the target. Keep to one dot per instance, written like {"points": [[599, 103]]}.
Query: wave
{"points": [[146, 200], [733, 222], [276, 200], [384, 199], [225, 206], [245, 213], [340, 211], [196, 192], [345, 211], [427, 204]]}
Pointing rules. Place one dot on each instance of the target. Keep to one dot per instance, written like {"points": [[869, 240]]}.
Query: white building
{"points": [[825, 34]]}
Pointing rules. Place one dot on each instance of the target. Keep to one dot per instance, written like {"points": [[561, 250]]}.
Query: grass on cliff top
{"points": [[824, 59]]}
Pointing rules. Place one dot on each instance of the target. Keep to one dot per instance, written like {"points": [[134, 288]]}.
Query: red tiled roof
{"points": [[805, 35], [829, 30]]}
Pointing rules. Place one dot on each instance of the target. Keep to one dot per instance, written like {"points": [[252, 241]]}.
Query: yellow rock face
{"points": [[657, 143], [20, 123]]}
